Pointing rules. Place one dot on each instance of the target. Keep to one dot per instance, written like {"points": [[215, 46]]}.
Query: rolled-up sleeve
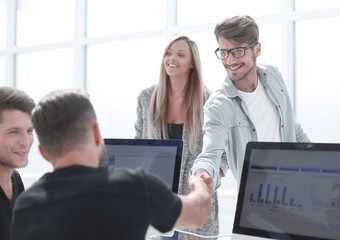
{"points": [[214, 141]]}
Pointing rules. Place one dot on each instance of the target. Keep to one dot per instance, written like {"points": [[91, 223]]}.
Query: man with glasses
{"points": [[252, 105]]}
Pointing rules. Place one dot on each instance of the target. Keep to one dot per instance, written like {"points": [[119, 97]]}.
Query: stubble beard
{"points": [[12, 163], [244, 75]]}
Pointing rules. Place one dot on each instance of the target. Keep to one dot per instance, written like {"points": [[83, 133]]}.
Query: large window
{"points": [[107, 18], [317, 80], [113, 49]]}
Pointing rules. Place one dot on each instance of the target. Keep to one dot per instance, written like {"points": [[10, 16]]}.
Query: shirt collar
{"points": [[231, 90]]}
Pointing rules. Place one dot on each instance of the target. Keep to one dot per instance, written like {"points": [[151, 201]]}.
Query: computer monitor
{"points": [[160, 157], [289, 191]]}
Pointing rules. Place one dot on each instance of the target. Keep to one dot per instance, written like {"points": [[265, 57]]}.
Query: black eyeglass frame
{"points": [[231, 51]]}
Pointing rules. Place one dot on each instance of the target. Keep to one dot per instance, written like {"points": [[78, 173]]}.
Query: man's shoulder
{"points": [[219, 97], [16, 175], [136, 177], [131, 179], [265, 69], [123, 173], [18, 184], [265, 65]]}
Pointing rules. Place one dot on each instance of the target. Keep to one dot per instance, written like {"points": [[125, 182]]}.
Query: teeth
{"points": [[21, 153], [172, 65], [233, 68]]}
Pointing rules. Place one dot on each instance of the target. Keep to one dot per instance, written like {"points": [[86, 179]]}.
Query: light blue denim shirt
{"points": [[228, 126]]}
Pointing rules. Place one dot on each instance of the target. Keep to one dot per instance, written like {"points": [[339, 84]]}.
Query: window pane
{"points": [[193, 12], [270, 39], [45, 21], [303, 5], [38, 74], [317, 81], [120, 17], [117, 72], [3, 23], [2, 71], [212, 69]]}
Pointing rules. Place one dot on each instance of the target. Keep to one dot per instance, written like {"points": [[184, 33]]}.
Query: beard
{"points": [[245, 74], [9, 162]]}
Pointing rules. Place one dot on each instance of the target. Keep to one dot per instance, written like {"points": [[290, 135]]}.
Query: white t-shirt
{"points": [[263, 113]]}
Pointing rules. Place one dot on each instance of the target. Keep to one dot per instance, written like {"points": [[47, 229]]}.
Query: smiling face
{"points": [[16, 138], [177, 60], [243, 68]]}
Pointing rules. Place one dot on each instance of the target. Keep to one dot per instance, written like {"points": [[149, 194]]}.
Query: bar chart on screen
{"points": [[279, 189]]}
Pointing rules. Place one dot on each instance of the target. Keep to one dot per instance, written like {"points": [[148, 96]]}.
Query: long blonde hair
{"points": [[196, 95]]}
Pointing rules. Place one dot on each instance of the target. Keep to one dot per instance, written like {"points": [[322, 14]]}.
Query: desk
{"points": [[182, 235]]}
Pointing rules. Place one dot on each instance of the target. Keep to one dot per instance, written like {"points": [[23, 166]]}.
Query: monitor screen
{"points": [[159, 157], [290, 191]]}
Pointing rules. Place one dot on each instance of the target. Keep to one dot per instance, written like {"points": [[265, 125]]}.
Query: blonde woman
{"points": [[173, 109]]}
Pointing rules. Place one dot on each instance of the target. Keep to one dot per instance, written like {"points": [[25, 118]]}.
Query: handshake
{"points": [[198, 202]]}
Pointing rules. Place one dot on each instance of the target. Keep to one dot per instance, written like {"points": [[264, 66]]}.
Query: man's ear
{"points": [[96, 134], [43, 153], [258, 49]]}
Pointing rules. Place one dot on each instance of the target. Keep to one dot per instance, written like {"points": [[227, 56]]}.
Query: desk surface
{"points": [[181, 235]]}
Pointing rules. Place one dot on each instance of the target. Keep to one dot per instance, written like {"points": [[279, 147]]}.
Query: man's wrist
{"points": [[201, 171]]}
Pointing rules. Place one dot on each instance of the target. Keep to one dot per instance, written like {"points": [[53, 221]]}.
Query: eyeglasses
{"points": [[236, 52]]}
